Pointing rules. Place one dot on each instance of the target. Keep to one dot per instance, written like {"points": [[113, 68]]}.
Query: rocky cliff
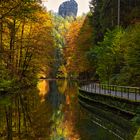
{"points": [[68, 8]]}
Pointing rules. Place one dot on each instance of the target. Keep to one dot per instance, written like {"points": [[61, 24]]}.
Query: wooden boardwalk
{"points": [[123, 92]]}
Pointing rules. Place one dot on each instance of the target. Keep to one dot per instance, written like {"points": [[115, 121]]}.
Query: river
{"points": [[50, 111]]}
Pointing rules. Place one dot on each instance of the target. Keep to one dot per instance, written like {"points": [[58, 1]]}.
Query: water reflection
{"points": [[62, 86], [43, 86], [63, 123], [54, 97], [49, 112]]}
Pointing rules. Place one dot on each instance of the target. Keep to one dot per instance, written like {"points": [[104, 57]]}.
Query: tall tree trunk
{"points": [[19, 117], [27, 57], [1, 44], [21, 46], [12, 43], [8, 112]]}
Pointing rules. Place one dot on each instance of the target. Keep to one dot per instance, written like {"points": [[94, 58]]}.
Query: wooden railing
{"points": [[130, 93]]}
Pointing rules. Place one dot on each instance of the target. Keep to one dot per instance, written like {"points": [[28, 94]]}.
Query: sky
{"points": [[83, 5]]}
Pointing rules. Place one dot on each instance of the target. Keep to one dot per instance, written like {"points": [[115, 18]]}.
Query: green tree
{"points": [[106, 13], [130, 73], [109, 56], [61, 27]]}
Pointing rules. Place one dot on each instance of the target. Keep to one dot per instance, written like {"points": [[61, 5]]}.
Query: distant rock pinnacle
{"points": [[68, 8]]}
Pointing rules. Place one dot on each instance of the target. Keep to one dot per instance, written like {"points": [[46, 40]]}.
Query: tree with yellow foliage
{"points": [[79, 42], [26, 41]]}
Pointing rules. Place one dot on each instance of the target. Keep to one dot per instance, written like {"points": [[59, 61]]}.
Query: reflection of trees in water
{"points": [[16, 116], [54, 97], [43, 87], [22, 116], [64, 116], [62, 86]]}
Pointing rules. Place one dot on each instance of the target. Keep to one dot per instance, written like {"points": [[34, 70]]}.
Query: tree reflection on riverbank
{"points": [[49, 112], [43, 114]]}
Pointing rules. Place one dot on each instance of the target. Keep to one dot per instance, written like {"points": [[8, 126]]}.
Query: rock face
{"points": [[68, 8]]}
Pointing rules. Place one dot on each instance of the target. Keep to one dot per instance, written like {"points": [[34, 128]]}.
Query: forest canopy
{"points": [[102, 45]]}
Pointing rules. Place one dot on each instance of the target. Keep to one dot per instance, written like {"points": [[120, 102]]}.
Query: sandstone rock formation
{"points": [[68, 8]]}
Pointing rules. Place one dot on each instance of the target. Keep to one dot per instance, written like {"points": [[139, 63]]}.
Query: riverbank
{"points": [[128, 110]]}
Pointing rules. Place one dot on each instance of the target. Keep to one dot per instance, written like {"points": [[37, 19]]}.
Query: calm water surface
{"points": [[50, 112]]}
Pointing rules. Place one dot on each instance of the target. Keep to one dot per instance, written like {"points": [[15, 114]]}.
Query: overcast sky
{"points": [[83, 5]]}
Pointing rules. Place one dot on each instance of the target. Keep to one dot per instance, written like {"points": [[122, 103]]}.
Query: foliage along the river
{"points": [[96, 47], [106, 14], [78, 42], [34, 41], [26, 41], [109, 55], [130, 72], [61, 27], [115, 53], [117, 58]]}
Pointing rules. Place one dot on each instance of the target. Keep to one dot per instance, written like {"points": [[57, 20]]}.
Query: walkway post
{"points": [[99, 88], [115, 90], [135, 94], [121, 91], [95, 88], [128, 92]]}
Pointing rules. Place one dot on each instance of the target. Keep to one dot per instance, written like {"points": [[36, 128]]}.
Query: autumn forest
{"points": [[93, 46], [44, 57]]}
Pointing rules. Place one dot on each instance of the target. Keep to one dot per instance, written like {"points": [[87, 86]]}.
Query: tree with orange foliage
{"points": [[26, 42], [71, 48], [79, 41]]}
